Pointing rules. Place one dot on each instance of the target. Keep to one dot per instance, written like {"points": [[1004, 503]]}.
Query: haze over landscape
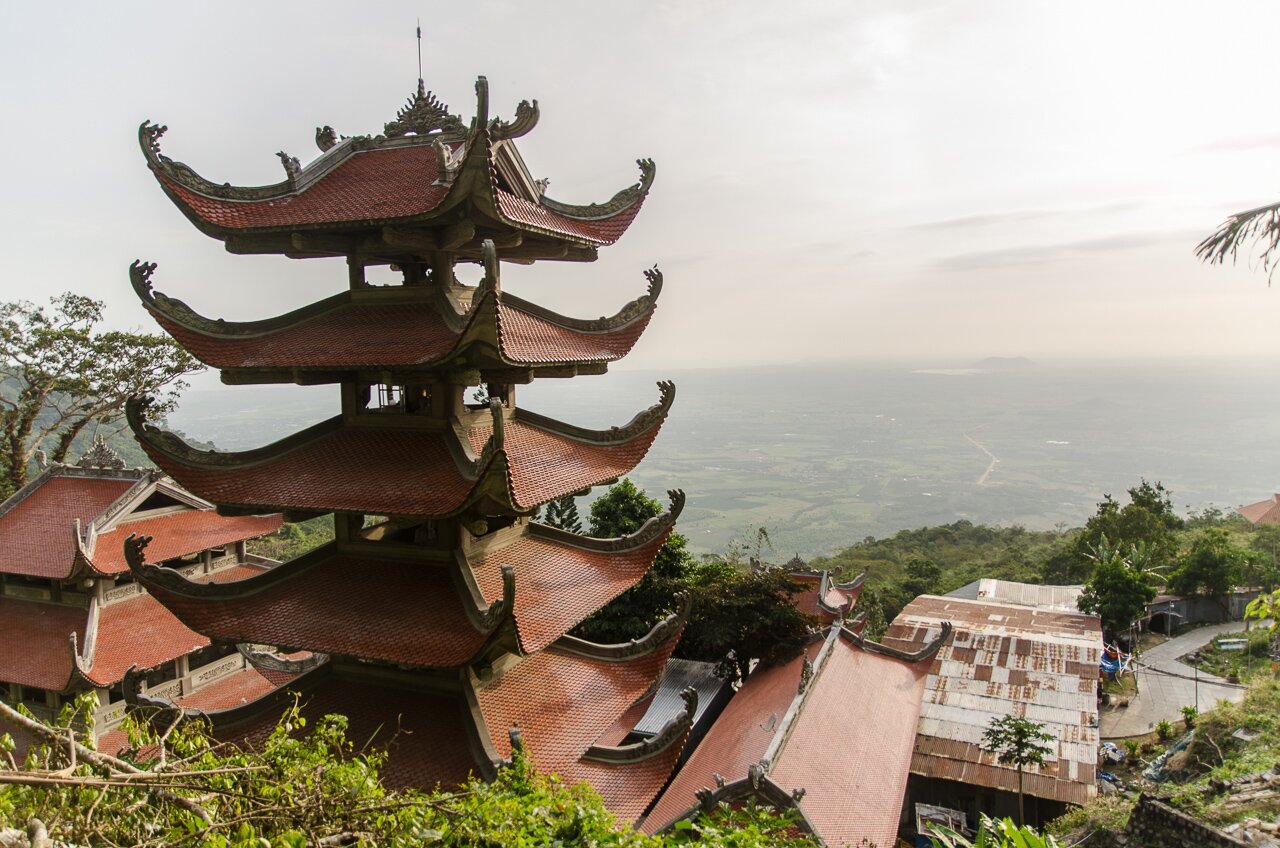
{"points": [[846, 197]]}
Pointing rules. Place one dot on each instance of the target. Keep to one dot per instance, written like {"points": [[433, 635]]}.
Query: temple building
{"points": [[440, 613], [828, 736], [72, 618]]}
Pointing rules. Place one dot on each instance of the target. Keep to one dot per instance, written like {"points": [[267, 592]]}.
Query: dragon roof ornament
{"points": [[641, 423], [661, 633], [624, 199], [149, 136], [650, 530], [670, 733]]}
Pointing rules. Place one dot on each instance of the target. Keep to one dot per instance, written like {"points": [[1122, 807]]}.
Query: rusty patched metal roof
{"points": [[1004, 659]]}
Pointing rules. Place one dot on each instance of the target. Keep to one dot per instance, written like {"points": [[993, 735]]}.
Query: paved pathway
{"points": [[1162, 695]]}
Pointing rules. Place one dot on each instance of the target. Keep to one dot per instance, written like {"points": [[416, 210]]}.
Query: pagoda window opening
{"points": [[32, 695], [114, 695], [389, 398], [383, 276]]}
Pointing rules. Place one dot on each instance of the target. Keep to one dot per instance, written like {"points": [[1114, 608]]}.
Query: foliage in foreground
{"points": [[312, 786], [994, 833]]}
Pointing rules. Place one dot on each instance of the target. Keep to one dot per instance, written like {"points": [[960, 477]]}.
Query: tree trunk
{"points": [[1022, 818]]}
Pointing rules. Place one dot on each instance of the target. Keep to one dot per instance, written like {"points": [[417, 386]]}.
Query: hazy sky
{"points": [[943, 181]]}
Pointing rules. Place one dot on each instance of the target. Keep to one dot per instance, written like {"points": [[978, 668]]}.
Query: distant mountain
{"points": [[1005, 363]]}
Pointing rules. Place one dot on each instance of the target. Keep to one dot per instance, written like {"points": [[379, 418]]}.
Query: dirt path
{"points": [[995, 460]]}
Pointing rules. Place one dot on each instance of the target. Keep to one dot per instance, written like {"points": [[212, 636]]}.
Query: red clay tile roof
{"points": [[400, 472], [547, 465], [1262, 512], [179, 534], [374, 471], [397, 334], [138, 631], [737, 740], [38, 532], [399, 611], [852, 745], [849, 745], [601, 231], [530, 340], [558, 585], [234, 690], [382, 186], [563, 704], [375, 185], [35, 648], [427, 734]]}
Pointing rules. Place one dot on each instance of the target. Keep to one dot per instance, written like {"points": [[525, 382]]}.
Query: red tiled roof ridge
{"points": [[659, 637], [643, 421], [652, 527], [219, 209]]}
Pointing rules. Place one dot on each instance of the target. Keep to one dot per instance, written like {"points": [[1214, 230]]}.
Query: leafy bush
{"points": [[311, 786], [1164, 730]]}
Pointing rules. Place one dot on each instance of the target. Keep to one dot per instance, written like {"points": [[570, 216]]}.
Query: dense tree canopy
{"points": [[1212, 566], [63, 375], [750, 614], [1117, 591]]}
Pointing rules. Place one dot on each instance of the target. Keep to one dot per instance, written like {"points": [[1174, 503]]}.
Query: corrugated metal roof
{"points": [[1062, 598], [1006, 659], [667, 703]]}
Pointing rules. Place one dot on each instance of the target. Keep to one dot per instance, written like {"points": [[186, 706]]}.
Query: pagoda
{"points": [[443, 608]]}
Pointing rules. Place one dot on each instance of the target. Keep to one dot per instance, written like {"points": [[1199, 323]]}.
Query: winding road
{"points": [[995, 460]]}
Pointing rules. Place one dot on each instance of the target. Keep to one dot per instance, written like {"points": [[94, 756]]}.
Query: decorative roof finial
{"points": [[422, 89], [101, 456]]}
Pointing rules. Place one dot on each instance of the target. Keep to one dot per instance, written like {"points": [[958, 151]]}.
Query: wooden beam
{"points": [[409, 238], [458, 234]]}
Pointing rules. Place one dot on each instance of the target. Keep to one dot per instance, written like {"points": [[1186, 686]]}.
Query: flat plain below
{"points": [[824, 455]]}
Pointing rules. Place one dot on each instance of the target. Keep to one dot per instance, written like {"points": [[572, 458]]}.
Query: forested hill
{"points": [[936, 560]]}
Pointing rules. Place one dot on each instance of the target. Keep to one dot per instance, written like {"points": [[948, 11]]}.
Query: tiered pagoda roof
{"points": [[447, 616], [427, 183], [511, 460], [407, 331], [403, 605]]}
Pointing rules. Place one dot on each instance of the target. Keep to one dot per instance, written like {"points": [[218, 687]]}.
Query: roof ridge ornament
{"points": [[650, 530], [624, 199], [526, 119], [423, 114], [99, 455]]}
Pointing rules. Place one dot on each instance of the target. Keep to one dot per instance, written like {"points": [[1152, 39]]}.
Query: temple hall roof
{"points": [[137, 631], [38, 525], [178, 534], [512, 460], [828, 734], [72, 520], [1004, 659], [1262, 512], [403, 329], [34, 642], [371, 189]]}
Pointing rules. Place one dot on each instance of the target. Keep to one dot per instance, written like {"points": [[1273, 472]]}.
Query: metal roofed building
{"points": [[1000, 659], [1062, 598]]}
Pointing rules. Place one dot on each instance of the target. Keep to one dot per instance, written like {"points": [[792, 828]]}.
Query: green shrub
{"points": [[1164, 731]]}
